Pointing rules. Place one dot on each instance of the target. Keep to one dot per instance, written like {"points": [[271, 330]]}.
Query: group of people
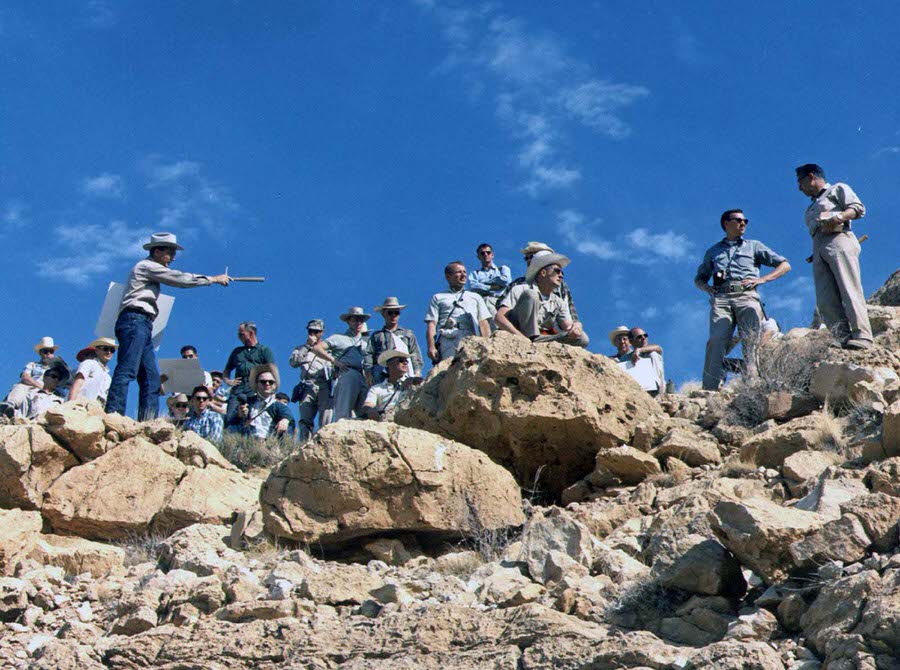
{"points": [[362, 374]]}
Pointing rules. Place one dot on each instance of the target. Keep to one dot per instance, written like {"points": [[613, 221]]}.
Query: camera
{"points": [[718, 278]]}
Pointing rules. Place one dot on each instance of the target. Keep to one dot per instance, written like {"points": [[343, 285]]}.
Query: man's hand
{"points": [[576, 330], [433, 354], [311, 340], [224, 280], [752, 282], [233, 382], [636, 355]]}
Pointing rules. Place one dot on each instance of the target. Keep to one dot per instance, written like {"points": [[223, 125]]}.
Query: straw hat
{"points": [[265, 367], [89, 349], [45, 343], [534, 247], [621, 330], [163, 240], [355, 311], [388, 354], [171, 401], [390, 303], [541, 260]]}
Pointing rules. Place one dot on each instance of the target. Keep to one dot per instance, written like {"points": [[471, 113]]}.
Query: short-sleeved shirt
{"points": [[243, 359], [552, 313], [312, 368], [385, 395], [349, 349], [36, 369], [832, 198], [563, 291], [491, 281], [738, 259], [96, 379], [457, 313], [402, 339], [207, 424]]}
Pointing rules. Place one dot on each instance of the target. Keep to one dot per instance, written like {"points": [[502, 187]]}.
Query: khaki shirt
{"points": [[833, 198], [142, 286], [385, 395], [552, 313]]}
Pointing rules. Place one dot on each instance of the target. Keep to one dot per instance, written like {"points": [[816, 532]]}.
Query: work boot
{"points": [[857, 345]]}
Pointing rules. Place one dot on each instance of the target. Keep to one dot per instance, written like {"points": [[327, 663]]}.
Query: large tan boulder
{"points": [[843, 539], [77, 427], [208, 495], [30, 461], [76, 555], [689, 448], [627, 464], [362, 478], [759, 533], [18, 530], [116, 495], [538, 409], [771, 447]]}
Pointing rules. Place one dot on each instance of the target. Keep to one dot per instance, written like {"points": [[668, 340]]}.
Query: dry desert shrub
{"points": [[249, 452], [735, 468], [783, 365], [690, 386], [141, 547]]}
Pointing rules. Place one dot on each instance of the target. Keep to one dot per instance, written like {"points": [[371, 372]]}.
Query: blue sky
{"points": [[348, 150]]}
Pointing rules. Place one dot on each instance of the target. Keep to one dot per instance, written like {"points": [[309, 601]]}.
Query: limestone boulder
{"points": [[689, 448], [360, 478], [538, 409], [771, 447], [123, 426], [76, 555], [838, 608], [30, 461], [115, 495], [200, 548], [651, 432], [707, 568], [554, 545], [18, 530], [191, 449], [842, 539], [889, 293], [78, 428], [759, 533], [208, 495], [806, 465], [834, 487], [842, 380], [884, 477], [784, 405], [879, 623], [879, 515], [733, 655], [628, 465]]}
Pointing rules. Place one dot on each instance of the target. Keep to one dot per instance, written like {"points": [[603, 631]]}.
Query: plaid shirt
{"points": [[208, 425]]}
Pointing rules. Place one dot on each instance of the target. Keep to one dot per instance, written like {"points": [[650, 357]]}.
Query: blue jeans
{"points": [[136, 359]]}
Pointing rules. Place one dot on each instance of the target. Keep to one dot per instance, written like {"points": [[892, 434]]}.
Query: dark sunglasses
{"points": [[181, 405], [51, 375], [642, 336], [265, 381], [201, 398], [105, 348], [392, 312], [485, 252], [312, 331], [557, 271], [46, 351], [746, 222]]}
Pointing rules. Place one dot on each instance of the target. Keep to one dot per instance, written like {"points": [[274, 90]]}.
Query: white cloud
{"points": [[669, 245], [188, 195], [104, 185], [649, 313], [100, 14], [791, 299], [578, 235], [540, 91], [171, 172], [13, 216]]}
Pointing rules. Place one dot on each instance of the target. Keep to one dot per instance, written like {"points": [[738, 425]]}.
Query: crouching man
{"points": [[535, 311], [383, 398], [260, 415]]}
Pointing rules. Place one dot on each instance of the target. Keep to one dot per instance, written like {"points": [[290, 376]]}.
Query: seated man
{"points": [[42, 399], [528, 253], [382, 398], [535, 311], [619, 339], [178, 409], [202, 419], [454, 315], [391, 336], [31, 378], [92, 378], [260, 415]]}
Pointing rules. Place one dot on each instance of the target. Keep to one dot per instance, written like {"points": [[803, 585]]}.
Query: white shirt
{"points": [[96, 380], [385, 395]]}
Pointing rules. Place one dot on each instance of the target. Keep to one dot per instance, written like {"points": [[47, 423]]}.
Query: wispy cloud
{"points": [[13, 216], [99, 14], [188, 195], [668, 245], [104, 185], [791, 300], [540, 91], [579, 236], [893, 150]]}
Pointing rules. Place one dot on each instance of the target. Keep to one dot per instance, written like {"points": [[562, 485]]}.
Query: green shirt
{"points": [[244, 359]]}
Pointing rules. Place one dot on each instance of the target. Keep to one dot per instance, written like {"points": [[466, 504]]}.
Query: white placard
{"points": [[106, 324], [643, 372], [184, 374]]}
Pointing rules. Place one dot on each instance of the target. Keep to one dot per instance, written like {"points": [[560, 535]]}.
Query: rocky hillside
{"points": [[530, 509]]}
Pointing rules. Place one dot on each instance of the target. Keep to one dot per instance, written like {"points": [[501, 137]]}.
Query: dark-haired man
{"points": [[202, 419], [313, 392], [454, 315], [839, 293], [489, 280], [733, 265], [241, 361]]}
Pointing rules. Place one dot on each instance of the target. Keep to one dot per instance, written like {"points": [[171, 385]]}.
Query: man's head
{"points": [[315, 328], [390, 310], [54, 376], [46, 349], [104, 348], [247, 334], [200, 398], [546, 270], [162, 247], [189, 351], [619, 339], [734, 223], [396, 362], [530, 249], [455, 274], [283, 398], [637, 337], [810, 179], [178, 406], [264, 380], [485, 254], [216, 376], [355, 318]]}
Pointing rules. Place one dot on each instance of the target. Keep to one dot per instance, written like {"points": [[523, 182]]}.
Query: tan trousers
{"points": [[728, 310], [839, 293], [524, 316]]}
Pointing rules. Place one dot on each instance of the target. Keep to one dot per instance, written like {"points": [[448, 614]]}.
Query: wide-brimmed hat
{"points": [[45, 343], [315, 324], [388, 354], [265, 367], [355, 311], [534, 247], [61, 369], [390, 303], [171, 401], [541, 260], [89, 349], [621, 330], [163, 240]]}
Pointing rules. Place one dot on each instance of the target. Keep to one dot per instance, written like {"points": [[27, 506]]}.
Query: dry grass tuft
{"points": [[141, 547], [735, 468], [249, 452]]}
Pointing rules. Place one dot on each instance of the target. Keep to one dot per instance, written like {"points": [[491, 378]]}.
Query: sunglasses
{"points": [[181, 405], [51, 375], [44, 352], [642, 336], [485, 253], [202, 398], [265, 381], [105, 348], [392, 312], [311, 331], [557, 271], [746, 222]]}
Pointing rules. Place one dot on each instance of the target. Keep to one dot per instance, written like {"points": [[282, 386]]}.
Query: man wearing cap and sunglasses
{"points": [[31, 378], [313, 391], [347, 353], [134, 326], [391, 336], [535, 311], [563, 291], [733, 264]]}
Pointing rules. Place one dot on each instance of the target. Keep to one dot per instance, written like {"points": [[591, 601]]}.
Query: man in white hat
{"points": [[528, 252], [347, 353], [92, 380], [179, 407], [134, 327], [31, 378], [241, 360], [391, 336], [313, 391], [260, 414], [534, 310], [490, 280], [384, 396], [454, 315]]}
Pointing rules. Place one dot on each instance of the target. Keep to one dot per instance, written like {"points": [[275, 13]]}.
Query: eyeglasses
{"points": [[746, 222], [311, 331], [202, 398], [557, 271], [44, 352], [642, 336], [51, 375], [485, 252], [181, 405], [528, 257], [265, 381], [392, 312], [105, 348]]}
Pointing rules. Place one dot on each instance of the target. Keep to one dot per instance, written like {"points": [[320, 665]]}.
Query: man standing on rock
{"points": [[241, 361], [839, 293], [392, 336], [454, 315], [346, 353], [490, 280], [313, 392], [733, 264], [134, 327], [535, 311]]}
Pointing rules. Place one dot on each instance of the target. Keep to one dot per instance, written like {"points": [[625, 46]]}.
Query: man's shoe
{"points": [[857, 345]]}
